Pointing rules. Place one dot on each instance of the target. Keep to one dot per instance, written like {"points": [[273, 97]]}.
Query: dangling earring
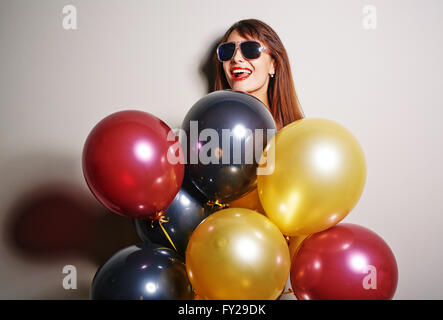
{"points": [[272, 75]]}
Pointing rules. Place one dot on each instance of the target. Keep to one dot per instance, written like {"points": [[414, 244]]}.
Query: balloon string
{"points": [[162, 219], [216, 203]]}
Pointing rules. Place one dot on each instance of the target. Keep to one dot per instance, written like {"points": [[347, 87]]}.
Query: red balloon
{"points": [[125, 164], [345, 262]]}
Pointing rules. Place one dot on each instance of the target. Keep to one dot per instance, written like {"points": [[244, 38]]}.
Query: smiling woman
{"points": [[252, 58]]}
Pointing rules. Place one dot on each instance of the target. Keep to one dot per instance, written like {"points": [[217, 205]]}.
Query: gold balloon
{"points": [[319, 175], [237, 254], [294, 245], [249, 201]]}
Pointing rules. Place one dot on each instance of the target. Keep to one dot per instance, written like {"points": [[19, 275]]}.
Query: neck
{"points": [[262, 95], [265, 100]]}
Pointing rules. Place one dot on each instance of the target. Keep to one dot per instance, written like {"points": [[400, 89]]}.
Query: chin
{"points": [[237, 86]]}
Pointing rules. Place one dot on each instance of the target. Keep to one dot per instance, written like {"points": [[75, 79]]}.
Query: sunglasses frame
{"points": [[261, 49]]}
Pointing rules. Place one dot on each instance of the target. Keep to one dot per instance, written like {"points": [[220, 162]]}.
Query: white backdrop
{"points": [[384, 85]]}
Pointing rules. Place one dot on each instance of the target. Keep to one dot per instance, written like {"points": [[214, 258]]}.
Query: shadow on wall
{"points": [[53, 220], [207, 71], [207, 67], [59, 220]]}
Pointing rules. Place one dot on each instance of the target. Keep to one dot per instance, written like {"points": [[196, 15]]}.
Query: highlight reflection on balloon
{"points": [[236, 254], [221, 142], [125, 164], [319, 176], [146, 271], [346, 261]]}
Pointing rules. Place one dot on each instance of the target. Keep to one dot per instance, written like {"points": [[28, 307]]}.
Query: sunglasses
{"points": [[250, 50]]}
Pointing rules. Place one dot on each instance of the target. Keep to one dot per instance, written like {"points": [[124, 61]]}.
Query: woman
{"points": [[252, 58]]}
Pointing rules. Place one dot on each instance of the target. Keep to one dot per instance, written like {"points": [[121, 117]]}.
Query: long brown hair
{"points": [[283, 101]]}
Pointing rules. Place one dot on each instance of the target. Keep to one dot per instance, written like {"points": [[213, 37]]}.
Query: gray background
{"points": [[384, 85]]}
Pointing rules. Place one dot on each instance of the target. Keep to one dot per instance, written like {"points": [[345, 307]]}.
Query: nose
{"points": [[238, 57]]}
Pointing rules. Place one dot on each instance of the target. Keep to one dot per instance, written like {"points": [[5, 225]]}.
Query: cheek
{"points": [[226, 69], [261, 72]]}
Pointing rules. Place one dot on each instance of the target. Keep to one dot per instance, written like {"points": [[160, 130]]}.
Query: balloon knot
{"points": [[216, 203]]}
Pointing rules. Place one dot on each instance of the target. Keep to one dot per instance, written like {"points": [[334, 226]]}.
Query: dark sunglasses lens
{"points": [[226, 51], [250, 49]]}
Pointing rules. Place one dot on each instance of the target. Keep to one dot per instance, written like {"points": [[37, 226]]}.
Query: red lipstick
{"points": [[240, 73]]}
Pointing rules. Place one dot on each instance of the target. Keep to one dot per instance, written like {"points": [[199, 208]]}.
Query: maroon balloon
{"points": [[345, 262], [125, 163]]}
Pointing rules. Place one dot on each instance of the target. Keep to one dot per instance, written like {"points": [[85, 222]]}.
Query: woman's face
{"points": [[256, 78]]}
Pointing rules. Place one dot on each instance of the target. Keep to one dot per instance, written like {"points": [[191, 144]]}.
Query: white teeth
{"points": [[242, 70]]}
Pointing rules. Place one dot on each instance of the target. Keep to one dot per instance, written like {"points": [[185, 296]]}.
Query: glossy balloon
{"points": [[250, 200], [237, 254], [125, 163], [344, 262], [319, 176], [295, 244], [187, 210], [142, 272], [239, 113]]}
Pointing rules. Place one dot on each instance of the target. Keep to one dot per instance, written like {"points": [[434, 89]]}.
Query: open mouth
{"points": [[239, 74]]}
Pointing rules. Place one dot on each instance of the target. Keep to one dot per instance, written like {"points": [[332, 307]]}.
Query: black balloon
{"points": [[185, 213], [142, 272], [240, 113]]}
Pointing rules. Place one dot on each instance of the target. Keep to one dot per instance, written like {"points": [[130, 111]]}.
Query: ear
{"points": [[272, 67]]}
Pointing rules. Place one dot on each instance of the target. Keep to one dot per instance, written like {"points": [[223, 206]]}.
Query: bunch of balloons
{"points": [[318, 177], [228, 208]]}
